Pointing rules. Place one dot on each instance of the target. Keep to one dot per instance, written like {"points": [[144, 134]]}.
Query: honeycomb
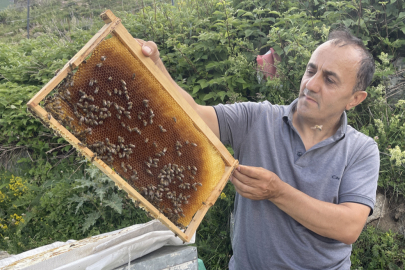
{"points": [[119, 110]]}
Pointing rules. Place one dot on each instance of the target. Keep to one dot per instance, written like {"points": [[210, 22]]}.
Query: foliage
{"points": [[61, 209], [209, 47], [378, 250]]}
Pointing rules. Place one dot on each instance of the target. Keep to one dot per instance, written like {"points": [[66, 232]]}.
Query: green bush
{"points": [[209, 48], [378, 250]]}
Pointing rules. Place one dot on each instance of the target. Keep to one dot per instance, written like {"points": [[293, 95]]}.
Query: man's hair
{"points": [[343, 37]]}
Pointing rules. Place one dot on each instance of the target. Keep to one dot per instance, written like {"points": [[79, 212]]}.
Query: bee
{"points": [[146, 102], [96, 90], [109, 93], [49, 116], [91, 82], [81, 120], [149, 172], [104, 103], [140, 114], [146, 140], [131, 145], [178, 153], [133, 76], [199, 184], [194, 172], [155, 144], [123, 124], [126, 97], [127, 113], [81, 145], [103, 58], [165, 150], [119, 92], [99, 65], [118, 116], [174, 119], [187, 142], [145, 123], [194, 144], [137, 130], [115, 91], [134, 177], [110, 78], [93, 157], [319, 127], [123, 83], [108, 113], [194, 168]]}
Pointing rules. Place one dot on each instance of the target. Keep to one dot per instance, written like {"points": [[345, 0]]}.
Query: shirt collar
{"points": [[288, 116]]}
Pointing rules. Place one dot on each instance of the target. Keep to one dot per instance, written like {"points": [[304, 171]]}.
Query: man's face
{"points": [[327, 85]]}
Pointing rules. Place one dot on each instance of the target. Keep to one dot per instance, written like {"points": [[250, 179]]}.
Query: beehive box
{"points": [[120, 111]]}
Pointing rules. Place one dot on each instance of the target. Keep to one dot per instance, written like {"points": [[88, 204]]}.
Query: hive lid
{"points": [[118, 91]]}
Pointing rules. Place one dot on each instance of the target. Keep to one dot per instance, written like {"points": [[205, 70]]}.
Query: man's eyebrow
{"points": [[326, 72]]}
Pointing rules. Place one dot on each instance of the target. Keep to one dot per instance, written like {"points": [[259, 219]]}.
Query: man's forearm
{"points": [[341, 222]]}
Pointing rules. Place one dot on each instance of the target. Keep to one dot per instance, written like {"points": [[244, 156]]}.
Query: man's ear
{"points": [[356, 99]]}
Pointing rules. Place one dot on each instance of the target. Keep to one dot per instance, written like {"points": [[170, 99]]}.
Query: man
{"points": [[308, 180]]}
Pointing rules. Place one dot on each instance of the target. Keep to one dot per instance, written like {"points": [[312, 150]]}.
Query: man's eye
{"points": [[310, 71], [329, 80]]}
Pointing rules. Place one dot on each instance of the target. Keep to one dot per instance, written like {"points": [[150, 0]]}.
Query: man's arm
{"points": [[207, 113], [343, 222]]}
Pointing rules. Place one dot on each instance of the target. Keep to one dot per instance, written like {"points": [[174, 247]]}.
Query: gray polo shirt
{"points": [[342, 168]]}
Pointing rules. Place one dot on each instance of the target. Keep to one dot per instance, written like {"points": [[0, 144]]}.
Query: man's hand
{"points": [[256, 183]]}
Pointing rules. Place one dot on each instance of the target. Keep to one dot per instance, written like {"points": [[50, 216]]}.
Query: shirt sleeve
{"points": [[235, 121], [359, 181]]}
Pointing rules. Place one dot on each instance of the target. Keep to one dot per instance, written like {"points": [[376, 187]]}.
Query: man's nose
{"points": [[314, 84]]}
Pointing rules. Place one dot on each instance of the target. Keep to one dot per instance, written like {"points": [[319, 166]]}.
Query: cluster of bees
{"points": [[125, 129]]}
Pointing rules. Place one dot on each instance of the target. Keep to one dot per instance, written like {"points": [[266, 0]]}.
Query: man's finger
{"points": [[243, 178], [243, 189], [150, 49], [252, 172]]}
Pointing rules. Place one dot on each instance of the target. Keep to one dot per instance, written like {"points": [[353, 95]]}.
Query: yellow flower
{"points": [[223, 195]]}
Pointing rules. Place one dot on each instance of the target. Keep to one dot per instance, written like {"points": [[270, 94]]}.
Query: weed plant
{"points": [[209, 48]]}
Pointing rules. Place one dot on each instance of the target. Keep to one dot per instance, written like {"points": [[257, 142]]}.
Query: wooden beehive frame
{"points": [[113, 26]]}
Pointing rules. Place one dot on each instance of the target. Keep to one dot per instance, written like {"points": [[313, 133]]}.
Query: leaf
{"points": [[196, 88], [203, 83], [90, 220], [401, 15], [248, 32], [115, 202], [208, 96], [222, 95], [240, 80], [248, 14]]}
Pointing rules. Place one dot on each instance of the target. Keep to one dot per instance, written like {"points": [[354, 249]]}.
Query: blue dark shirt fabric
{"points": [[342, 168]]}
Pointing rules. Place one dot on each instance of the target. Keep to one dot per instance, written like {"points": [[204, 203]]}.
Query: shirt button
{"points": [[299, 154]]}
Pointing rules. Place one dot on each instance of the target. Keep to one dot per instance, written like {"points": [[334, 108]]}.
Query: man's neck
{"points": [[313, 133]]}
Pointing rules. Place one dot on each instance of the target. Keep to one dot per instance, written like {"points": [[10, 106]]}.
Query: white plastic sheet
{"points": [[105, 251]]}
